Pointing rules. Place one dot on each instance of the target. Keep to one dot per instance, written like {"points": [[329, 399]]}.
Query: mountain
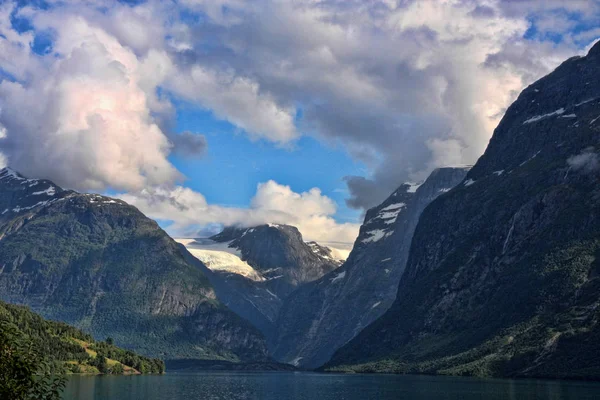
{"points": [[279, 254], [99, 264], [254, 269], [503, 276], [68, 347], [321, 316]]}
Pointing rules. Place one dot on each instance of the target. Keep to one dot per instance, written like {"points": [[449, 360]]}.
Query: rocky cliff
{"points": [[503, 274], [253, 270], [321, 316]]}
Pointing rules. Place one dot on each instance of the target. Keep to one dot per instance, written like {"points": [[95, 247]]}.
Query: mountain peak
{"points": [[595, 49], [9, 173]]}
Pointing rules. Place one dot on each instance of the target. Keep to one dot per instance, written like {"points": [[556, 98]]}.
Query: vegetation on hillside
{"points": [[67, 349]]}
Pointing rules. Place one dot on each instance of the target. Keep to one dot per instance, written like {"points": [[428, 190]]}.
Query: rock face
{"points": [[321, 316], [253, 270], [503, 276], [101, 265]]}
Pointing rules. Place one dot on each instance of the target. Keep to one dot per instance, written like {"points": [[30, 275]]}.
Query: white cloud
{"points": [[82, 116], [237, 99], [311, 212], [417, 83], [405, 86]]}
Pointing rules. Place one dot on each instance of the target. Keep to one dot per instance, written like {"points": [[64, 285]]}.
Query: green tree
{"points": [[117, 369], [24, 373], [110, 341], [101, 364]]}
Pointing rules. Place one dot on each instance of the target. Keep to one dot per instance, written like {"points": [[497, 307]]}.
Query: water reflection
{"points": [[310, 386]]}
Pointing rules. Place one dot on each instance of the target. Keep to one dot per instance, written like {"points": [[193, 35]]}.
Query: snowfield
{"points": [[220, 257]]}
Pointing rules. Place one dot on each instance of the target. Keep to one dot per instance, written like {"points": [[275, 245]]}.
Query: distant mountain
{"points": [[323, 315], [99, 264], [503, 277], [279, 254], [69, 348], [254, 269]]}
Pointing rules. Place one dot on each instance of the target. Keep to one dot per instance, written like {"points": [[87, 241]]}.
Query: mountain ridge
{"points": [[266, 264], [321, 316], [101, 265], [502, 278]]}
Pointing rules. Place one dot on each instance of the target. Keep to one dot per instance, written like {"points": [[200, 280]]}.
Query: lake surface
{"points": [[313, 386]]}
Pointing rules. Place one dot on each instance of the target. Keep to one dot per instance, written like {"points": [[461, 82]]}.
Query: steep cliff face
{"points": [[101, 265], [254, 269], [321, 316], [503, 273]]}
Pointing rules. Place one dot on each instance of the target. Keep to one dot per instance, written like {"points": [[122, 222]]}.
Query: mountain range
{"points": [[99, 264], [503, 273], [323, 315], [489, 270]]}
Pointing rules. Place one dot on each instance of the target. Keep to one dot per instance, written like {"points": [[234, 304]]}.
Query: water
{"points": [[311, 386]]}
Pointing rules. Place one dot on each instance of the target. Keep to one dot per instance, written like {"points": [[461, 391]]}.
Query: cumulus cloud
{"points": [[405, 86], [189, 213], [81, 115]]}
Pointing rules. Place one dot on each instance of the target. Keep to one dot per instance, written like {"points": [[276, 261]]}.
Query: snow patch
{"points": [[376, 235], [10, 174], [395, 206], [296, 361], [569, 116], [375, 305], [498, 173], [390, 213], [39, 204], [220, 257], [469, 182], [540, 117], [586, 101], [51, 191], [386, 259], [530, 158], [338, 277], [412, 187]]}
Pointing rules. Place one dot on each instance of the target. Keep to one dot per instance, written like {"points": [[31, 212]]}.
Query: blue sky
{"points": [[211, 113], [235, 164]]}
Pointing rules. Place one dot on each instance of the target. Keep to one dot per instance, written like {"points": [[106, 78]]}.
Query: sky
{"points": [[205, 113]]}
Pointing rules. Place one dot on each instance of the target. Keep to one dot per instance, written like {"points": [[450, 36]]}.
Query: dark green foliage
{"points": [[65, 346], [144, 365], [25, 373]]}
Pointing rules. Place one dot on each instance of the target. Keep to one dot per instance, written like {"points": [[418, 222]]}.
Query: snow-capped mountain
{"points": [[254, 269], [321, 316], [100, 264]]}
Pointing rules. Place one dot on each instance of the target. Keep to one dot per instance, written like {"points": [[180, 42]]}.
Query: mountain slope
{"points": [[68, 347], [321, 316], [254, 269], [503, 273], [101, 265], [279, 254]]}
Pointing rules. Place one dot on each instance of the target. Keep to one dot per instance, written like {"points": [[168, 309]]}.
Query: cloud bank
{"points": [[311, 212], [404, 86]]}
